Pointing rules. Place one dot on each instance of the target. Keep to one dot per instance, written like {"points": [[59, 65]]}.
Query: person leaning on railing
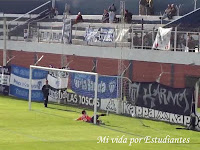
{"points": [[79, 18]]}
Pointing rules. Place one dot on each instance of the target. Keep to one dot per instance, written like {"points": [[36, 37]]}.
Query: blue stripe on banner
{"points": [[24, 72], [20, 71], [24, 93]]}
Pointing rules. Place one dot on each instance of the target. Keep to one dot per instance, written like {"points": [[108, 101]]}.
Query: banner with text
{"points": [[83, 84], [19, 83], [58, 81], [4, 80], [62, 96], [143, 112], [67, 31], [100, 35], [111, 105], [160, 97]]}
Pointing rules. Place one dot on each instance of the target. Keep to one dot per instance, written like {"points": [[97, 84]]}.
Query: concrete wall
{"points": [[106, 52], [146, 64]]}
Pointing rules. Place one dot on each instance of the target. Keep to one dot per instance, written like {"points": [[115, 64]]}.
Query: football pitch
{"points": [[55, 128]]}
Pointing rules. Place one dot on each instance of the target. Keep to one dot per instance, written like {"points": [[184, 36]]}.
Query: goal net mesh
{"points": [[74, 88]]}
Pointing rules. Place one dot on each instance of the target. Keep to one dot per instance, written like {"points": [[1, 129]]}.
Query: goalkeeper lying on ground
{"points": [[89, 119]]}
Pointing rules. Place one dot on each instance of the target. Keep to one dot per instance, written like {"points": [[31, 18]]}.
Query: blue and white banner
{"points": [[83, 84], [4, 80], [100, 34], [19, 83]]}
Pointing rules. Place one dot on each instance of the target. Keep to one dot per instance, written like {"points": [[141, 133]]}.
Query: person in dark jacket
{"points": [[45, 91], [112, 8], [193, 117], [128, 16], [142, 7]]}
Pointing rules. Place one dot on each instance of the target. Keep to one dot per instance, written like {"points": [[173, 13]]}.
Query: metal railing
{"points": [[134, 38], [14, 24]]}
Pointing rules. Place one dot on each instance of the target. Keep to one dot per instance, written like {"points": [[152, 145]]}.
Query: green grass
{"points": [[53, 129], [198, 110]]}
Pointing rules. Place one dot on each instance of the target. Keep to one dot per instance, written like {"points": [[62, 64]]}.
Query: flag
{"points": [[162, 40]]}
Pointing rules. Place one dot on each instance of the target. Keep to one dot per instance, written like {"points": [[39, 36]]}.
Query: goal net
{"points": [[65, 87]]}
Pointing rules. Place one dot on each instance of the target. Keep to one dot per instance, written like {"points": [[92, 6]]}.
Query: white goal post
{"points": [[69, 71]]}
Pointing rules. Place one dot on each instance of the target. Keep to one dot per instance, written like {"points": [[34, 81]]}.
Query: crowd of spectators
{"points": [[139, 39], [109, 16], [145, 8]]}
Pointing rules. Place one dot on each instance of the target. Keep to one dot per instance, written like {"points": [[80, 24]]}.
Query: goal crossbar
{"points": [[70, 71]]}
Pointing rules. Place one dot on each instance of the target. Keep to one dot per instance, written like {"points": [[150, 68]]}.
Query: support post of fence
{"points": [[4, 39], [175, 38], [142, 39], [131, 36], [197, 93]]}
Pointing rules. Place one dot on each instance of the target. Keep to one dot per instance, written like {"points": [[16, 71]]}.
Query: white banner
{"points": [[4, 79], [162, 40], [122, 33], [111, 105], [57, 82], [24, 82]]}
